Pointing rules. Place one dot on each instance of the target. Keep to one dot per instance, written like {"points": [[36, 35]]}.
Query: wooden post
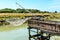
{"points": [[29, 34]]}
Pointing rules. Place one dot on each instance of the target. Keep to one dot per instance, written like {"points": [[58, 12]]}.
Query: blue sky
{"points": [[43, 5]]}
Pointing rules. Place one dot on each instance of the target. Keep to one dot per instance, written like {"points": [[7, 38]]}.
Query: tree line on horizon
{"points": [[18, 10]]}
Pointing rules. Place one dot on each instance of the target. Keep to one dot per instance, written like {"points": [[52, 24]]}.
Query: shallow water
{"points": [[20, 34]]}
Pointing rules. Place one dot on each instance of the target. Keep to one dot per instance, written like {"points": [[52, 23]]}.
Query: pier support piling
{"points": [[38, 35]]}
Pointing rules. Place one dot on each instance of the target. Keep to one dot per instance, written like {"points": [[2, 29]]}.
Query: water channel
{"points": [[19, 34]]}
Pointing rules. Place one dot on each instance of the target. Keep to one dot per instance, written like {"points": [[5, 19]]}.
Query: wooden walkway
{"points": [[47, 26], [43, 26]]}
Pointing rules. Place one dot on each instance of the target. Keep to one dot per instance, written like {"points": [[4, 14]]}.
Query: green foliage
{"points": [[55, 11], [7, 10], [18, 10]]}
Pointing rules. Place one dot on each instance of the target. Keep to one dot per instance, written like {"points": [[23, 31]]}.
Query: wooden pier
{"points": [[43, 26]]}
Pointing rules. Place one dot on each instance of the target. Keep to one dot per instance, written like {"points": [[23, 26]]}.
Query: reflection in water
{"points": [[20, 34]]}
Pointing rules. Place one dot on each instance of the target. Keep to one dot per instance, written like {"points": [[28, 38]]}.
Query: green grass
{"points": [[11, 27]]}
